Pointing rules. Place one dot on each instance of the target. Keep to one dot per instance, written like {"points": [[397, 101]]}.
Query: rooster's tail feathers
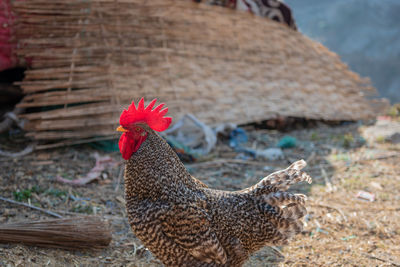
{"points": [[286, 223], [283, 209], [280, 198], [280, 180], [294, 211], [284, 178]]}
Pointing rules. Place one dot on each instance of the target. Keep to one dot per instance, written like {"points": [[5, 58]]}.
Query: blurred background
{"points": [[365, 33]]}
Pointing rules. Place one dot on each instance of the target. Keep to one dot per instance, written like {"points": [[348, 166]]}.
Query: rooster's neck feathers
{"points": [[155, 169]]}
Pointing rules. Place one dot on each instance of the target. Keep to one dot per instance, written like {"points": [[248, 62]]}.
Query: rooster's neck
{"points": [[155, 171]]}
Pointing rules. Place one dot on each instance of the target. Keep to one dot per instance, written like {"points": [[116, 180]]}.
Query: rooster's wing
{"points": [[189, 227]]}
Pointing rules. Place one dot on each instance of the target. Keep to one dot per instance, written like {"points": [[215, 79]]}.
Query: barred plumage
{"points": [[185, 223]]}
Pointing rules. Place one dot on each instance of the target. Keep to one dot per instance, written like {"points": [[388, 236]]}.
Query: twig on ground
{"points": [[380, 259], [389, 155], [32, 207]]}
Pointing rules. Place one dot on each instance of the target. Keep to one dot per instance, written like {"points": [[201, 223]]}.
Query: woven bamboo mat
{"points": [[92, 58]]}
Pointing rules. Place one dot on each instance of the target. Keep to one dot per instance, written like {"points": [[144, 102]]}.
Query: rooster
{"points": [[185, 223]]}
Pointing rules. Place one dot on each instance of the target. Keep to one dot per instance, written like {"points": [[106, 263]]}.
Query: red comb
{"points": [[154, 118]]}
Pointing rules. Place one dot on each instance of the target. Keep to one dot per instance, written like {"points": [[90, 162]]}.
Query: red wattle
{"points": [[128, 144]]}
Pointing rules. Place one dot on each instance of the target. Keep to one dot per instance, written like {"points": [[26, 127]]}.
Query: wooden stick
{"points": [[32, 207], [380, 259]]}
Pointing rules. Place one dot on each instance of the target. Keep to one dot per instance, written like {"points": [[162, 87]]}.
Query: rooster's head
{"points": [[133, 123]]}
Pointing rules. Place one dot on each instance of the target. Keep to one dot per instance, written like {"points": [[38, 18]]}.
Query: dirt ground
{"points": [[341, 229]]}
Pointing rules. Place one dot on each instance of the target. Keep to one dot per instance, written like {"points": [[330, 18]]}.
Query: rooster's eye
{"points": [[137, 129]]}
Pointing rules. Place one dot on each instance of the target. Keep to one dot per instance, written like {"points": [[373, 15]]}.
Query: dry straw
{"points": [[73, 233], [92, 58]]}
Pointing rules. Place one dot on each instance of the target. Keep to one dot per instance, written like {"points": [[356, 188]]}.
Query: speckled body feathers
{"points": [[185, 223]]}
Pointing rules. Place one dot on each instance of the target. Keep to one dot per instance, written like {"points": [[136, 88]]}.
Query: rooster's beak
{"points": [[121, 129]]}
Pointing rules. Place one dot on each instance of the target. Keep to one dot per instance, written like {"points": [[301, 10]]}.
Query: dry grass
{"points": [[341, 229], [346, 231]]}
